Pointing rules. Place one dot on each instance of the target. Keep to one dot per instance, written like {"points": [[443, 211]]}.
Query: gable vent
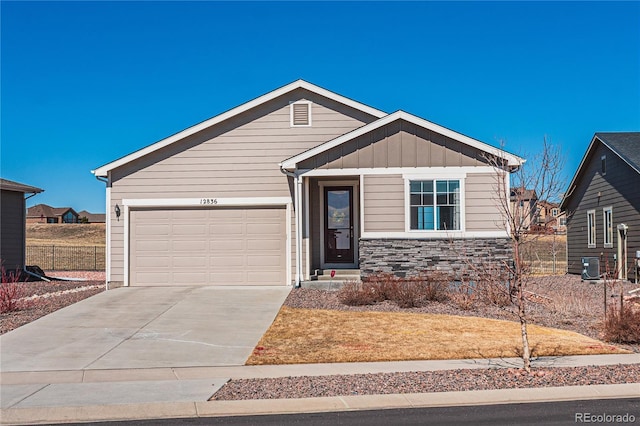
{"points": [[301, 114]]}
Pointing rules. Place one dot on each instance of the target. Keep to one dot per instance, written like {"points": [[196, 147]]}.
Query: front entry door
{"points": [[338, 224]]}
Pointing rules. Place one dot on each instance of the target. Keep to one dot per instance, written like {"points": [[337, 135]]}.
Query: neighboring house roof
{"points": [[299, 84], [93, 217], [9, 185], [511, 159], [625, 145], [43, 210], [523, 194]]}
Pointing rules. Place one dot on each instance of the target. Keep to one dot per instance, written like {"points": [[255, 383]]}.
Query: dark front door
{"points": [[338, 224]]}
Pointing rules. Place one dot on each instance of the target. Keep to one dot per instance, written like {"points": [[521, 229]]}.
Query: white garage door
{"points": [[208, 246]]}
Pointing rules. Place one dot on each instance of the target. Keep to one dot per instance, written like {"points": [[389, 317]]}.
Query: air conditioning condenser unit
{"points": [[590, 268]]}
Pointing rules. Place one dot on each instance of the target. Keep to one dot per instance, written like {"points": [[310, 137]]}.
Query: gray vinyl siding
{"points": [[383, 203], [236, 158], [398, 144], [482, 208], [12, 225], [619, 190]]}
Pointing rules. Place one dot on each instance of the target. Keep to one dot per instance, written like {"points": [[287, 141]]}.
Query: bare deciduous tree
{"points": [[518, 205]]}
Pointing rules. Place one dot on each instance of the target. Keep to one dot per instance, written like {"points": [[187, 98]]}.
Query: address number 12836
{"points": [[208, 201]]}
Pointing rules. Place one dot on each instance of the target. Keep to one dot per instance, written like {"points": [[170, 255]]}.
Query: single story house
{"points": [[42, 213], [602, 205], [298, 181], [86, 217], [12, 223]]}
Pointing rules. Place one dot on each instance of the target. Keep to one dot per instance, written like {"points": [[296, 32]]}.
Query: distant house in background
{"points": [[42, 213], [523, 206], [549, 218], [603, 204], [91, 217], [12, 223]]}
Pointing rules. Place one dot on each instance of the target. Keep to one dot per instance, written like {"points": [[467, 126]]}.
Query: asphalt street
{"points": [[619, 411]]}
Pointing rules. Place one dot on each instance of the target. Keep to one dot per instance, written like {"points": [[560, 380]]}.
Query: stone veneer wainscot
{"points": [[408, 257]]}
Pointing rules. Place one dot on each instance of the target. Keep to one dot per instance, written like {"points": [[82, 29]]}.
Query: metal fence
{"points": [[67, 258]]}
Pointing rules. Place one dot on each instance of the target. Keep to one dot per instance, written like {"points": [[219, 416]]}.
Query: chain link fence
{"points": [[67, 258]]}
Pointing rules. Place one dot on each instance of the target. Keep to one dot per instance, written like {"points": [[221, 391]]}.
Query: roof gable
{"points": [[625, 145], [292, 163], [102, 171]]}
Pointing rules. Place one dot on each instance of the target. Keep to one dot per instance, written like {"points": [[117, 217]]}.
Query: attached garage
{"points": [[208, 246]]}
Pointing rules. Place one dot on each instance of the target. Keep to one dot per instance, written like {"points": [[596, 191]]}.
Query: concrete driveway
{"points": [[146, 327]]}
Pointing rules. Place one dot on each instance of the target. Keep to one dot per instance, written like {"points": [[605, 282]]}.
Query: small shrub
{"points": [[435, 285], [11, 292], [405, 292], [623, 326], [463, 295], [355, 293]]}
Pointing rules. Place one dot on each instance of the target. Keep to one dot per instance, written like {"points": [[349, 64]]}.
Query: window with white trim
{"points": [[607, 217], [591, 228], [300, 114], [434, 205]]}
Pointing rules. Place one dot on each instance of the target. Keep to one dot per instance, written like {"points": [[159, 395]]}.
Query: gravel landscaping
{"points": [[40, 298], [422, 382]]}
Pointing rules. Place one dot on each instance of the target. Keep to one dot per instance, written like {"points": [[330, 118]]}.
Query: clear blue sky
{"points": [[86, 83]]}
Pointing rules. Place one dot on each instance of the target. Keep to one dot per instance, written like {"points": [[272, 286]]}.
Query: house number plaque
{"points": [[208, 201]]}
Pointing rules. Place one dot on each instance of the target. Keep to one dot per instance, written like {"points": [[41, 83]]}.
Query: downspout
{"points": [[296, 194], [107, 231], [24, 267]]}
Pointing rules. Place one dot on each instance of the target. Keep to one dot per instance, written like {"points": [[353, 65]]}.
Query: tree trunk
{"points": [[526, 354]]}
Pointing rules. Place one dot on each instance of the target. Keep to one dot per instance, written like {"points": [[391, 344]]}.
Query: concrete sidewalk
{"points": [[92, 395]]}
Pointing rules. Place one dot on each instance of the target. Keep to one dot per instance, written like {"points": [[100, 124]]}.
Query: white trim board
{"points": [[440, 171], [205, 202], [299, 84], [430, 235]]}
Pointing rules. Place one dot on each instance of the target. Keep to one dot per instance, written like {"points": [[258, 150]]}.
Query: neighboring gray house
{"points": [[298, 180], [12, 223], [603, 204]]}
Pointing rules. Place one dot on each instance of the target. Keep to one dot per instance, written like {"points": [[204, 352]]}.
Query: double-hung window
{"points": [[607, 216], [591, 228], [434, 205]]}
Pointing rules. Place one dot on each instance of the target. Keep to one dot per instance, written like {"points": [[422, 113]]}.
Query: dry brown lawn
{"points": [[318, 336], [66, 234]]}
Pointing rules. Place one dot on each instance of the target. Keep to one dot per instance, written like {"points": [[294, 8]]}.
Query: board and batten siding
{"points": [[618, 188], [398, 144], [12, 224], [236, 158]]}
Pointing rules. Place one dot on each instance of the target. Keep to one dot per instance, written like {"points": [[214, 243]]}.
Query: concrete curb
{"points": [[39, 415]]}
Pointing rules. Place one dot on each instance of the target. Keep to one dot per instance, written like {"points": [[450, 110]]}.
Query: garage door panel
{"points": [[189, 246], [264, 229], [208, 246], [188, 230], [151, 278], [153, 261], [228, 278], [190, 262], [152, 246], [153, 231], [229, 261], [266, 244], [227, 229]]}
